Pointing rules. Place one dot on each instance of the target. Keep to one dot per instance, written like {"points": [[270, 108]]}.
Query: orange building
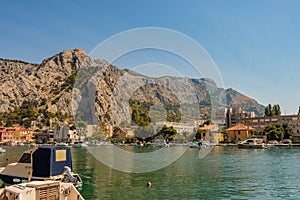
{"points": [[15, 134], [239, 132], [7, 134]]}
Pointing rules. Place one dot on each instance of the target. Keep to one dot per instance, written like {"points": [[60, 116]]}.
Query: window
{"points": [[26, 158]]}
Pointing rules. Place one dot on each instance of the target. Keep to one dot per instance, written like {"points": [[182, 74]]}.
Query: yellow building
{"points": [[239, 132], [211, 133], [22, 134], [16, 134]]}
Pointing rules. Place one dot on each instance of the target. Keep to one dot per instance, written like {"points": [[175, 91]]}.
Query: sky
{"points": [[255, 44]]}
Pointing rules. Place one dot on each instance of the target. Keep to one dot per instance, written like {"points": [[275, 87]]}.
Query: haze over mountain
{"points": [[103, 89]]}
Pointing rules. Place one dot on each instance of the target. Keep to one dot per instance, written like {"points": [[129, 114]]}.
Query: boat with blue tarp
{"points": [[42, 163]]}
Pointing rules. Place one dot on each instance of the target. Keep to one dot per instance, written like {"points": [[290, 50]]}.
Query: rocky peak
{"points": [[66, 61]]}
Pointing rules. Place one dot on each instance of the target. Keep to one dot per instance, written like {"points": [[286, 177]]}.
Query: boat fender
{"points": [[16, 180]]}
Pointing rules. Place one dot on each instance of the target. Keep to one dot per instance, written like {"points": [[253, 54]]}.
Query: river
{"points": [[225, 173]]}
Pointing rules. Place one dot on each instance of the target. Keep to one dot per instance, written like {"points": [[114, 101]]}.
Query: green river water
{"points": [[225, 173]]}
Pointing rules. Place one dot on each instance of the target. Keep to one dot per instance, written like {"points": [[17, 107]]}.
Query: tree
{"points": [[274, 132], [272, 110], [287, 131], [268, 110], [207, 122], [198, 135], [167, 133], [9, 122], [223, 131], [276, 109]]}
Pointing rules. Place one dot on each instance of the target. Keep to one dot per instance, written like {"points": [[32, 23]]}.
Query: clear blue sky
{"points": [[255, 43]]}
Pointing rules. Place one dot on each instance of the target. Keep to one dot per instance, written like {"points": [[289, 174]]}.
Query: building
{"points": [[7, 134], [15, 135], [23, 135], [61, 133], [179, 127], [239, 132], [235, 114], [219, 116], [260, 123], [211, 133], [65, 134], [119, 133]]}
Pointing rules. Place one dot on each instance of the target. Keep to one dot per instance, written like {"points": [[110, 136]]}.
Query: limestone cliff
{"points": [[102, 91]]}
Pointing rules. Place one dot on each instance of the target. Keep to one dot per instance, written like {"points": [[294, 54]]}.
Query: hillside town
{"points": [[231, 125]]}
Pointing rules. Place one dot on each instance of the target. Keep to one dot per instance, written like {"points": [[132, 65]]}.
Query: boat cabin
{"points": [[43, 163]]}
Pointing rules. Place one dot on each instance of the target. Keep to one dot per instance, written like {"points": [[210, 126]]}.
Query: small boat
{"points": [[160, 143], [195, 145], [201, 144], [252, 143], [37, 190], [43, 163], [2, 150], [62, 144], [78, 144]]}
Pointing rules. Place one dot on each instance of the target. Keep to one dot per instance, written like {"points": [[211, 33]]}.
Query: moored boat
{"points": [[201, 143], [43, 163], [37, 190], [2, 150], [252, 143], [78, 144]]}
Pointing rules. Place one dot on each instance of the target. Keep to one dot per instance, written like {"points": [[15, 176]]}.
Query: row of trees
{"points": [[272, 110], [146, 133], [278, 132]]}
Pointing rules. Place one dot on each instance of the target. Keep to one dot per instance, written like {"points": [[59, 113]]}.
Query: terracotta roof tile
{"points": [[208, 127], [240, 127]]}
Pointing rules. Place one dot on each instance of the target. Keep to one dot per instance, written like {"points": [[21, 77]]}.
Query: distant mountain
{"points": [[102, 91]]}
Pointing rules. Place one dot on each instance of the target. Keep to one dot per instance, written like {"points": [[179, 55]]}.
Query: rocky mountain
{"points": [[69, 85]]}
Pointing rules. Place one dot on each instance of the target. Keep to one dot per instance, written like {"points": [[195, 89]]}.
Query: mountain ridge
{"points": [[49, 87]]}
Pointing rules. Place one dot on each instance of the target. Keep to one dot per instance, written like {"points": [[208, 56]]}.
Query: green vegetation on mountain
{"points": [[141, 112], [22, 115]]}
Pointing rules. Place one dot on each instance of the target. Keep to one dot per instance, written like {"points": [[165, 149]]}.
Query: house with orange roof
{"points": [[210, 133], [239, 132], [15, 134], [23, 134], [7, 134]]}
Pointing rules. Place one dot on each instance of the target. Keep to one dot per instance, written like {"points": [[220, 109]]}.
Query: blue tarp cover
{"points": [[51, 160]]}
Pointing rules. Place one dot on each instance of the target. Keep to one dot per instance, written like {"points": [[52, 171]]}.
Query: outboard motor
{"points": [[70, 177]]}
